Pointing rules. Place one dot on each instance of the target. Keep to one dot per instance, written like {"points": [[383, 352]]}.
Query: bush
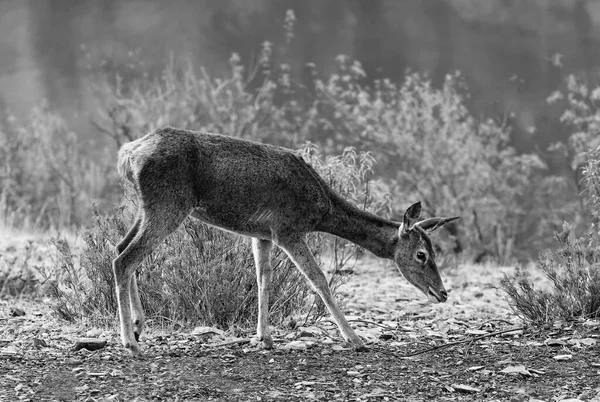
{"points": [[574, 267], [202, 274], [47, 177], [433, 149], [574, 271]]}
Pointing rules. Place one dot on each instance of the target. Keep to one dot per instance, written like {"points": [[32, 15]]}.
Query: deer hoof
{"points": [[262, 342], [134, 350], [361, 348], [267, 344]]}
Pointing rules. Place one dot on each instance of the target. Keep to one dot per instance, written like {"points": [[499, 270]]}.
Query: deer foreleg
{"points": [[262, 259], [300, 254]]}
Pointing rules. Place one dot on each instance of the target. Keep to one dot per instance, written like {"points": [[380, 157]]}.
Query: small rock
{"points": [[81, 389], [93, 333], [89, 344], [563, 357], [8, 351], [516, 370], [39, 343], [338, 348], [296, 345], [16, 312], [555, 342], [467, 389]]}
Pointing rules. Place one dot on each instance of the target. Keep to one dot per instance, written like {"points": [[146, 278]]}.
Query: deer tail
{"points": [[125, 160]]}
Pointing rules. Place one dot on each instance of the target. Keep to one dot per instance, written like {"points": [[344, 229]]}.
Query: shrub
{"points": [[201, 274], [574, 271], [47, 175], [433, 149], [573, 268], [581, 116]]}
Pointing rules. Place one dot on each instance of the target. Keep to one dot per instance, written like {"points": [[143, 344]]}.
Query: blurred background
{"points": [[469, 105], [510, 52]]}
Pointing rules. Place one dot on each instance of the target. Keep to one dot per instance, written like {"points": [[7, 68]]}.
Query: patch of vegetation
{"points": [[574, 271], [574, 267], [428, 145]]}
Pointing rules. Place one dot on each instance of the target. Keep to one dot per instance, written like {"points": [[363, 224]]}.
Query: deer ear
{"points": [[431, 224], [410, 216]]}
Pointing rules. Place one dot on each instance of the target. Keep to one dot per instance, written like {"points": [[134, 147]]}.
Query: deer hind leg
{"points": [[136, 303], [262, 259], [153, 226], [302, 257]]}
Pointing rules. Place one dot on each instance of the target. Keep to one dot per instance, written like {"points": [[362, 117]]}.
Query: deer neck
{"points": [[376, 234]]}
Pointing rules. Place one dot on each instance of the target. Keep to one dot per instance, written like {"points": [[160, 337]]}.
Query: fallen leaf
{"points": [[207, 330], [8, 351], [516, 370], [99, 374], [476, 332], [467, 389], [583, 342], [301, 345], [563, 357], [338, 348], [555, 342], [304, 383]]}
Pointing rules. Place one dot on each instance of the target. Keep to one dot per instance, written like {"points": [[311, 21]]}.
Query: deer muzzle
{"points": [[437, 296]]}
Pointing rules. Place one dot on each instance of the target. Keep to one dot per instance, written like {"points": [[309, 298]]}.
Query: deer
{"points": [[263, 191]]}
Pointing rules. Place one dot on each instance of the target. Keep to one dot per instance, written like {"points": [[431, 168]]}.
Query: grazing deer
{"points": [[263, 191]]}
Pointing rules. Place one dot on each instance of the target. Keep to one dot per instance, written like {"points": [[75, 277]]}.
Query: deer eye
{"points": [[421, 256]]}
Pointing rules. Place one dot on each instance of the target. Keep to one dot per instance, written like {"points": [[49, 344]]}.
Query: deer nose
{"points": [[444, 295]]}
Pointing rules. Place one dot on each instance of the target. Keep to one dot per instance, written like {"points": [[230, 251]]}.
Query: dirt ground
{"points": [[464, 356]]}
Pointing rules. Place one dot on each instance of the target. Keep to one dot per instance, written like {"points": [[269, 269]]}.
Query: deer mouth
{"points": [[436, 296]]}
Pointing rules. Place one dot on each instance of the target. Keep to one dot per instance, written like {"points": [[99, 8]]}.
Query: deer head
{"points": [[415, 256]]}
